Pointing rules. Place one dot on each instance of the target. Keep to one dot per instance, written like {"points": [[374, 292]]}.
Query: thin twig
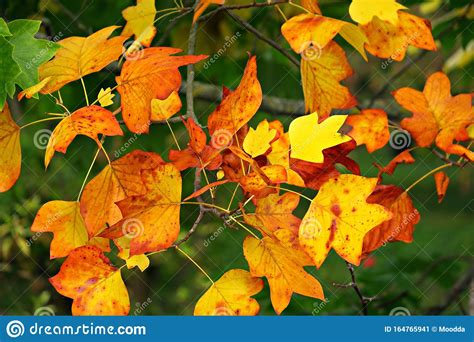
{"points": [[205, 17]]}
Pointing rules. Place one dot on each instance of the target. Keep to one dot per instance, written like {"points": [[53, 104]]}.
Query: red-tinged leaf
{"points": [[442, 182], [10, 150], [257, 185], [370, 127], [89, 121], [403, 158], [402, 224], [95, 286], [205, 189]]}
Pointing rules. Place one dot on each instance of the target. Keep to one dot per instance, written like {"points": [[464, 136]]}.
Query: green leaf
{"points": [[4, 31], [9, 70], [29, 52]]}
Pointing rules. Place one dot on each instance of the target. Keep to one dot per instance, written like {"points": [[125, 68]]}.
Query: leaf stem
{"points": [[39, 121], [209, 205], [292, 191], [195, 264], [85, 91], [174, 136], [248, 230], [427, 175], [87, 174]]}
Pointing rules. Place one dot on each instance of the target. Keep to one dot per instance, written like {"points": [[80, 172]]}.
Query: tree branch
{"points": [[268, 3]]}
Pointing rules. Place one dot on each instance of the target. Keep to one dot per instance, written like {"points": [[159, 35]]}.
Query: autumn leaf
{"points": [[198, 154], [141, 261], [202, 5], [370, 127], [10, 150], [140, 20], [95, 286], [275, 212], [339, 217], [442, 182], [283, 270], [363, 11], [402, 224], [391, 41], [64, 220], [256, 183], [404, 157], [154, 75], [105, 97], [309, 138], [257, 141], [90, 54], [89, 121], [164, 109], [121, 179], [437, 116], [238, 107], [314, 32], [311, 5], [231, 296], [315, 175], [151, 221], [320, 75]]}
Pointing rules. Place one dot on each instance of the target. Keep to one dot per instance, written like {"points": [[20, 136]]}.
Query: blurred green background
{"points": [[417, 276]]}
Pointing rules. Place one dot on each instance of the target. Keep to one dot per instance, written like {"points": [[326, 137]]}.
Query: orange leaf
{"points": [[95, 286], [321, 75], [65, 221], [437, 116], [80, 56], [203, 5], [153, 75], [255, 184], [370, 127], [89, 121], [10, 150], [120, 179], [403, 158], [402, 224], [231, 296], [339, 217], [238, 107], [151, 221], [283, 270], [275, 212], [311, 5], [442, 182], [391, 41], [205, 189]]}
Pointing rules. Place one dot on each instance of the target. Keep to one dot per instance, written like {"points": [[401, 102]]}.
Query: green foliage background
{"points": [[417, 276]]}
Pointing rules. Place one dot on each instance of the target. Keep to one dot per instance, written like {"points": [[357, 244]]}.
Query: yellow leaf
{"points": [[164, 109], [355, 36], [140, 19], [321, 72], [64, 220], [283, 270], [309, 138], [10, 150], [362, 11], [339, 217], [257, 141], [140, 260], [105, 97], [96, 287], [231, 296], [80, 56], [31, 91]]}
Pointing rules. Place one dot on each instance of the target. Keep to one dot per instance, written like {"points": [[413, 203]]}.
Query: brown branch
{"points": [[260, 36], [456, 291], [239, 7], [190, 73]]}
